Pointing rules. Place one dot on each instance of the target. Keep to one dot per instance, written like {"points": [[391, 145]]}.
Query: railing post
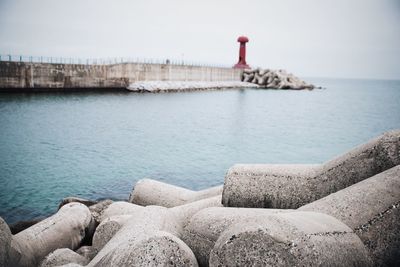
{"points": [[9, 57]]}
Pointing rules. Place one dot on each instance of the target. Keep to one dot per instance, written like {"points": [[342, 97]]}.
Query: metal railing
{"points": [[106, 61]]}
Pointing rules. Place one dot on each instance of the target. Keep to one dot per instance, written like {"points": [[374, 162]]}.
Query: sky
{"points": [[310, 38]]}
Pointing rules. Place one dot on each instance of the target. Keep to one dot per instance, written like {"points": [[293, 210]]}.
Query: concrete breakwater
{"points": [[277, 79], [138, 77], [47, 77], [350, 220]]}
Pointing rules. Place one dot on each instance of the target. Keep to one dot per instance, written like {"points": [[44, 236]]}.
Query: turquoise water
{"points": [[97, 145]]}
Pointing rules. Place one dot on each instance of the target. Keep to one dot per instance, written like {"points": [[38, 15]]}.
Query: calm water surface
{"points": [[97, 145]]}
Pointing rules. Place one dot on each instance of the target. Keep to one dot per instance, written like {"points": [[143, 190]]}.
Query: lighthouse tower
{"points": [[242, 53]]}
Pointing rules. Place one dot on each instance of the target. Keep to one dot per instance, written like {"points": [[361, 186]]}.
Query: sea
{"points": [[97, 145]]}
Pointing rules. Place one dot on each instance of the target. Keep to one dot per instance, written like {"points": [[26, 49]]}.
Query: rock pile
{"points": [[345, 212], [277, 79], [181, 86]]}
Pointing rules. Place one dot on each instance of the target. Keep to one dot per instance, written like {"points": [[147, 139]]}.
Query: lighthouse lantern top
{"points": [[243, 39]]}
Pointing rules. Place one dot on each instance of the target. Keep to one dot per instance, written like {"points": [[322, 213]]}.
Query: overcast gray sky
{"points": [[332, 38]]}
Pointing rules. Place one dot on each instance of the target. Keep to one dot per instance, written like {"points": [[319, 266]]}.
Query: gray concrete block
{"points": [[87, 251], [142, 226], [84, 201], [107, 229], [149, 231], [182, 214], [157, 249], [5, 243], [290, 239], [204, 228], [292, 186], [65, 229], [372, 209], [98, 209], [150, 192], [119, 208], [63, 256]]}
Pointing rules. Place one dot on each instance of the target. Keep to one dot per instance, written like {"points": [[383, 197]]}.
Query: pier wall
{"points": [[25, 75]]}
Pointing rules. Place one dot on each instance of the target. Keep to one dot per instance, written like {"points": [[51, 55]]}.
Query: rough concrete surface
{"points": [[65, 229], [371, 209], [119, 208], [290, 239], [147, 223], [84, 201], [292, 186], [204, 228], [151, 192], [5, 242], [87, 251], [98, 209], [63, 256], [51, 77], [107, 229], [157, 249]]}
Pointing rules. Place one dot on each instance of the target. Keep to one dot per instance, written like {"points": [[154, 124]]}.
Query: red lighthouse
{"points": [[242, 53]]}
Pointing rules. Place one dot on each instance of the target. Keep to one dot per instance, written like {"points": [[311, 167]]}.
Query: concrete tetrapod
{"points": [[63, 256], [290, 239], [65, 229], [107, 229], [150, 192], [205, 227], [372, 209], [151, 237], [292, 186], [5, 243], [111, 221]]}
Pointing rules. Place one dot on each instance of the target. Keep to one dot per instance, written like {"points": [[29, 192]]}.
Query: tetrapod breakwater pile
{"points": [[274, 79], [344, 212]]}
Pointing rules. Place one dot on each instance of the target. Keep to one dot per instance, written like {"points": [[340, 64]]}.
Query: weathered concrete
{"points": [[372, 209], [119, 208], [63, 256], [65, 229], [43, 76], [22, 225], [204, 228], [107, 229], [87, 251], [290, 239], [292, 186], [148, 225], [84, 201], [149, 233], [98, 209], [182, 214], [5, 243], [46, 76], [150, 192], [156, 249]]}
